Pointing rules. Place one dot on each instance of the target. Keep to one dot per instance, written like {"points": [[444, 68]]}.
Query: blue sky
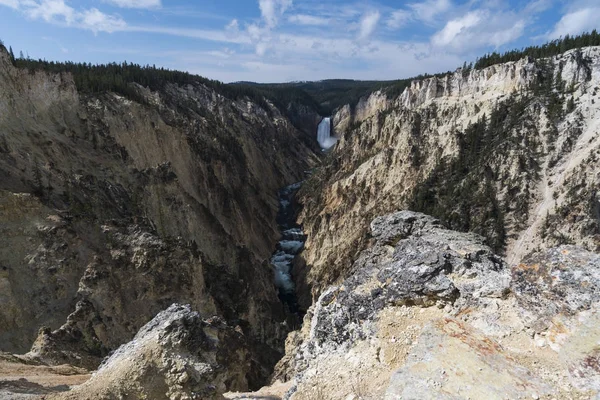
{"points": [[288, 40]]}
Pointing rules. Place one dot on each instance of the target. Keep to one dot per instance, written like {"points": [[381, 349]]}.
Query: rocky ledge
{"points": [[432, 313]]}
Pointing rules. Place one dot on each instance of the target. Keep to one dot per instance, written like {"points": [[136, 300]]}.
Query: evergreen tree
{"points": [[571, 105], [550, 49]]}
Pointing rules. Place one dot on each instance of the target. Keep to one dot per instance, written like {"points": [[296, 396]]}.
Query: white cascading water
{"points": [[324, 134]]}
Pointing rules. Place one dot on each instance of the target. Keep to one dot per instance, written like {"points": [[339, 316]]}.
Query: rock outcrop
{"points": [[366, 107], [430, 313], [510, 152], [177, 355], [451, 360]]}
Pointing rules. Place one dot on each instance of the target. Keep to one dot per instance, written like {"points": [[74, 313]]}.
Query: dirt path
{"points": [[22, 379], [274, 392]]}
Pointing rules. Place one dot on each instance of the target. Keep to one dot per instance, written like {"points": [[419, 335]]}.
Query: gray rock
{"points": [[558, 293], [177, 355], [416, 262], [563, 280]]}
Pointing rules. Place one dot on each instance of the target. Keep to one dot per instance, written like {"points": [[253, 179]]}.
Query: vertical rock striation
{"points": [[116, 209]]}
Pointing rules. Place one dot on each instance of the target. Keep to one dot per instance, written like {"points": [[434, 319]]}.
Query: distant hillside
{"points": [[332, 93]]}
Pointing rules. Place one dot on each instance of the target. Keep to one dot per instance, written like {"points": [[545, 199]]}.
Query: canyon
{"points": [[446, 243], [114, 209]]}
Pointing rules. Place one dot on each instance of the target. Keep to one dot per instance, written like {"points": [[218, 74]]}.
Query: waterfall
{"points": [[324, 134]]}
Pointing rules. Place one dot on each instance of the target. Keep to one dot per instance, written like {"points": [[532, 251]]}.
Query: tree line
{"points": [[549, 49], [322, 96], [119, 77]]}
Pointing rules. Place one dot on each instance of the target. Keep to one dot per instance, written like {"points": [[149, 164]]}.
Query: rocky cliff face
{"points": [[510, 152], [366, 107], [113, 209]]}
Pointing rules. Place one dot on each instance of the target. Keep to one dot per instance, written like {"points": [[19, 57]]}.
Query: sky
{"points": [[288, 40]]}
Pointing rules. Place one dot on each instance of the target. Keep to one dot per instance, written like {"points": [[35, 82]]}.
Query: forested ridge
{"points": [[322, 96], [462, 191], [118, 77], [549, 49], [330, 94]]}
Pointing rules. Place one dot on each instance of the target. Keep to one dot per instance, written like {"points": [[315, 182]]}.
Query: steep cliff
{"points": [[113, 209], [509, 151]]}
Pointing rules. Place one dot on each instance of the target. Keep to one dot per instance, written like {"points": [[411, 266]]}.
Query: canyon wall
{"points": [[509, 152], [113, 209]]}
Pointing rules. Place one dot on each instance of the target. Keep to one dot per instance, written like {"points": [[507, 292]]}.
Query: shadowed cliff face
{"points": [[509, 152], [115, 209]]}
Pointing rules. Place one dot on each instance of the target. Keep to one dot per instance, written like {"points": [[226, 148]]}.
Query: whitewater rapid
{"points": [[290, 245], [324, 137]]}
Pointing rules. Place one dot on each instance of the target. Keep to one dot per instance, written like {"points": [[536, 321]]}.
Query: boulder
{"points": [[177, 355]]}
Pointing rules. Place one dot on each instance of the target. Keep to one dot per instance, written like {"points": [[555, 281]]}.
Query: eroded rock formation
{"points": [[177, 355]]}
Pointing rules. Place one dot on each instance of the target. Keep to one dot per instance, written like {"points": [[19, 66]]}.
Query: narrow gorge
{"points": [[290, 245], [179, 238]]}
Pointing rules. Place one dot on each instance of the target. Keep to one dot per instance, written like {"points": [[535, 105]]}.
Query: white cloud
{"points": [[10, 3], [368, 24], [538, 6], [261, 48], [232, 29], [254, 31], [59, 12], [203, 34], [297, 59], [97, 21], [260, 34], [272, 10], [429, 9], [303, 19], [260, 37], [136, 3], [576, 22], [479, 29], [398, 19], [426, 11], [51, 11], [233, 26], [456, 27]]}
